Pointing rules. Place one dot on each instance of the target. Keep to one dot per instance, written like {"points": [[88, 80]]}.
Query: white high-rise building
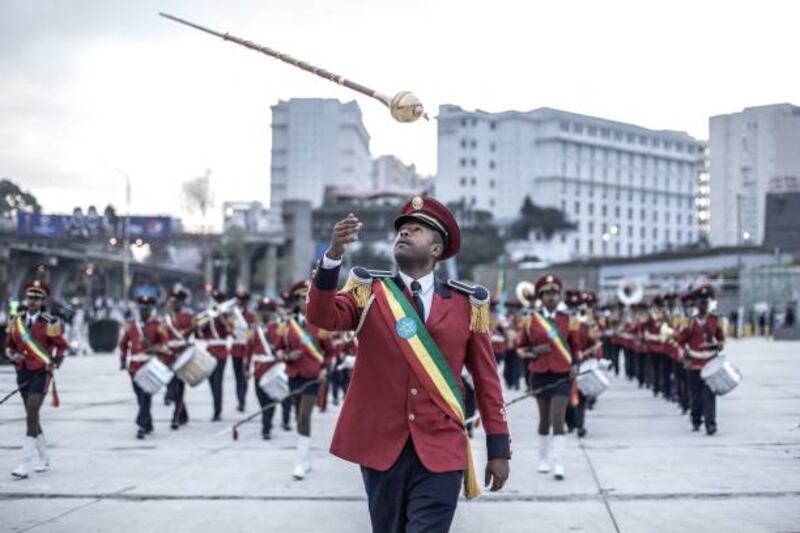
{"points": [[630, 190], [317, 142], [390, 173], [749, 149]]}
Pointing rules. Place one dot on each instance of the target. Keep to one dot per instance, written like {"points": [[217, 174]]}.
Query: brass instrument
{"points": [[526, 293]]}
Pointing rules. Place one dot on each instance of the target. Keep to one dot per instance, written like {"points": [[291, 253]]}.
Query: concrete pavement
{"points": [[639, 469]]}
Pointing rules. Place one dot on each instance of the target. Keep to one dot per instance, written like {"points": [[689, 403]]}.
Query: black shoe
{"points": [[240, 408], [286, 426], [140, 433], [216, 418], [174, 426], [695, 427], [266, 435], [148, 430], [183, 421], [711, 429], [581, 432]]}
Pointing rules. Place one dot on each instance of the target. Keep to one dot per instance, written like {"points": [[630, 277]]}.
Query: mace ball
{"points": [[406, 107]]}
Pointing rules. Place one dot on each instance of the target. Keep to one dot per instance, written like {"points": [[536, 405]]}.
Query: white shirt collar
{"points": [[425, 282], [32, 317], [549, 314]]}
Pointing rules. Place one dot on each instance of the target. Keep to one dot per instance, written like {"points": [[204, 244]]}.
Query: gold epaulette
{"points": [[479, 318], [359, 283], [54, 328], [323, 333], [574, 323]]}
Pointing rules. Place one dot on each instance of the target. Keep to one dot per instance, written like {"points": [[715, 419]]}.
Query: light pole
{"points": [[126, 237]]}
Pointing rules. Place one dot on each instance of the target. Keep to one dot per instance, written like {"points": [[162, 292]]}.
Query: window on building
{"points": [[491, 165], [642, 232], [642, 215], [666, 217], [463, 121], [591, 227], [472, 181], [463, 143], [591, 246], [630, 232], [491, 202], [679, 236], [491, 183], [617, 135], [563, 237], [604, 210], [630, 248], [473, 121], [642, 250], [472, 162], [616, 248], [655, 216], [492, 125], [577, 207], [463, 161], [642, 140], [605, 133], [630, 213], [591, 208], [655, 233], [473, 143], [577, 128], [492, 147], [655, 143], [666, 235], [463, 181], [678, 217], [616, 211], [630, 137], [577, 245], [564, 125], [592, 132], [564, 205]]}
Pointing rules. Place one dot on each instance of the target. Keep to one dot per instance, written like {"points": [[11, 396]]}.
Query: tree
{"points": [[548, 220], [14, 200], [198, 194]]}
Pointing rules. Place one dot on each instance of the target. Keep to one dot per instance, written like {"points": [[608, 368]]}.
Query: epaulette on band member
{"points": [[53, 325], [574, 323], [479, 319], [359, 282]]}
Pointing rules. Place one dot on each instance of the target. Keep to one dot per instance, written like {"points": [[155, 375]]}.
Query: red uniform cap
{"points": [[300, 288], [573, 298], [588, 297], [179, 293], [219, 295], [548, 282], [242, 295], [145, 299], [658, 301], [435, 215], [267, 304], [37, 288]]}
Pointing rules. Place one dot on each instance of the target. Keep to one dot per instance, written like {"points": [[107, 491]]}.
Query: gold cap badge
{"points": [[417, 202]]}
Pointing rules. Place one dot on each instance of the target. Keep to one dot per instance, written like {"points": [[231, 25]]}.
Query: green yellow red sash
{"points": [[426, 361], [29, 342], [556, 341], [307, 339]]}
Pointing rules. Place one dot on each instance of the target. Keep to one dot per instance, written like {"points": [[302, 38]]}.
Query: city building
{"points": [[317, 142], [749, 149], [630, 190], [390, 173]]}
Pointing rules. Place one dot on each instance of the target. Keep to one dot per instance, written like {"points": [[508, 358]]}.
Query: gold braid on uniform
{"points": [[479, 317], [53, 326], [359, 283]]}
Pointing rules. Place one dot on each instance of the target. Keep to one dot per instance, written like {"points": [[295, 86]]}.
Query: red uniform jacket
{"points": [[142, 341], [552, 361], [386, 404], [307, 366], [178, 329], [699, 335], [651, 333], [215, 333], [239, 348], [586, 339], [264, 357], [47, 331]]}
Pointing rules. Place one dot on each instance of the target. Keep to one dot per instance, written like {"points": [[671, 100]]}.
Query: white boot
{"points": [[558, 452], [302, 463], [28, 451], [42, 459], [544, 454]]}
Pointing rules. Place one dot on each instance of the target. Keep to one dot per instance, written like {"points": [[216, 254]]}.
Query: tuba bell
{"points": [[526, 293], [630, 292]]}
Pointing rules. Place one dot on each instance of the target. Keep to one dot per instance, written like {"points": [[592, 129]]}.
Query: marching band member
{"points": [[216, 332], [651, 333], [179, 326], [35, 344], [548, 344], [144, 337], [306, 348], [404, 420], [679, 321], [703, 340], [512, 365], [263, 353], [241, 324]]}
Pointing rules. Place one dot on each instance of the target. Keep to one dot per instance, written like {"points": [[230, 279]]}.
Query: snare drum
{"points": [[152, 376], [592, 381], [194, 364], [720, 375], [275, 382]]}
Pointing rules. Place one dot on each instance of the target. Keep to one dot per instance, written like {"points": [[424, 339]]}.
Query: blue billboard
{"points": [[91, 225]]}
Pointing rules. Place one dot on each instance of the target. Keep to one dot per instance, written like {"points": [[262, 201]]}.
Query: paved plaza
{"points": [[640, 468]]}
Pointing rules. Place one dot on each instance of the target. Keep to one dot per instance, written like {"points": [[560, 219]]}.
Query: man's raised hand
{"points": [[344, 232]]}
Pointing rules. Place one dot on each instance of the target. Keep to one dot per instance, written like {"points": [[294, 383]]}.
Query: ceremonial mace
{"points": [[403, 106]]}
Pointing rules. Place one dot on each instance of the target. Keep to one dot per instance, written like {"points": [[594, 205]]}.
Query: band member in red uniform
{"points": [[144, 337], [702, 340], [34, 343], [242, 321], [403, 420], [306, 347], [548, 345], [179, 326], [264, 353], [215, 331]]}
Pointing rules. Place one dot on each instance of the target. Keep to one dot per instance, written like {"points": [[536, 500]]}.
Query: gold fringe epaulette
{"points": [[54, 328], [359, 284], [479, 317], [574, 323]]}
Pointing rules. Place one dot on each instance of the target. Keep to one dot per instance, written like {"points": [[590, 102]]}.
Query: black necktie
{"points": [[416, 288]]}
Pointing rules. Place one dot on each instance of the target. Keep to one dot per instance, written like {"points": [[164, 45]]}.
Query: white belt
{"points": [[264, 358], [216, 342], [140, 358], [701, 354], [177, 343]]}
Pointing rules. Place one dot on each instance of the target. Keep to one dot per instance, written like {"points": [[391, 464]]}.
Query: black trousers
{"points": [[143, 418], [681, 385], [267, 414], [667, 366], [241, 380], [286, 410], [703, 401], [640, 364], [409, 498], [512, 369], [630, 364], [175, 392], [655, 364], [215, 380]]}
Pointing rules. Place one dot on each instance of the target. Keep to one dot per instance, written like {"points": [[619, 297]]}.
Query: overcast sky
{"points": [[88, 86]]}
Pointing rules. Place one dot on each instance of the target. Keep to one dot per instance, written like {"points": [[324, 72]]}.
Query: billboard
{"points": [[91, 225]]}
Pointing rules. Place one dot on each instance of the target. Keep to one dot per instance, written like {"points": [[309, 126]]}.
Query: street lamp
{"points": [[126, 237]]}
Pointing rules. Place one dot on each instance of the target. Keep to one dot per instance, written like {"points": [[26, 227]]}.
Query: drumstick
{"points": [[243, 421]]}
